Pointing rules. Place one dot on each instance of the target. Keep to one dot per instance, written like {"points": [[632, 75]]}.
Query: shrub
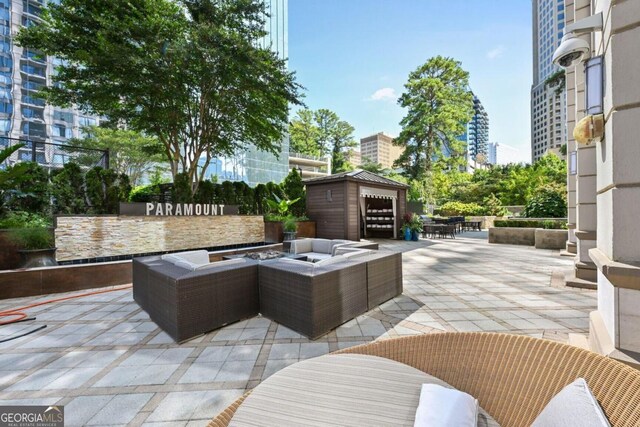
{"points": [[30, 193], [260, 199], [294, 189], [290, 224], [32, 238], [181, 191], [546, 224], [549, 201], [67, 190], [459, 209], [206, 192], [493, 206], [145, 193], [24, 220], [106, 189]]}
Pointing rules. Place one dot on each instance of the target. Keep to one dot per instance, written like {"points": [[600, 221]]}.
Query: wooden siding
{"points": [[328, 215], [352, 211]]}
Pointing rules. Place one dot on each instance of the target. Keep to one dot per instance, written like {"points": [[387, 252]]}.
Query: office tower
{"points": [[548, 105], [252, 165], [492, 153], [23, 72], [379, 148]]}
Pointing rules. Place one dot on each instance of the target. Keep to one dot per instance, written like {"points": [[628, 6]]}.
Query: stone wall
{"points": [[513, 235], [79, 237]]}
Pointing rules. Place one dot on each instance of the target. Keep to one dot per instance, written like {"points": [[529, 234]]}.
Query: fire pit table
{"points": [[267, 256]]}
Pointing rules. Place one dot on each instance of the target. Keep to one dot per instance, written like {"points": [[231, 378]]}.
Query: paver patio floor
{"points": [[109, 364]]}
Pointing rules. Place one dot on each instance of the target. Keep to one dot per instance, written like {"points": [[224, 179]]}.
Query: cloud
{"points": [[495, 52], [384, 94]]}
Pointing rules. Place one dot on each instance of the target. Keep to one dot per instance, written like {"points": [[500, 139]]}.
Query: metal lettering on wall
{"points": [[177, 209]]}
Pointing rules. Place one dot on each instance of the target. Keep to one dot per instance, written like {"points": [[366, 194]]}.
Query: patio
{"points": [[103, 358]]}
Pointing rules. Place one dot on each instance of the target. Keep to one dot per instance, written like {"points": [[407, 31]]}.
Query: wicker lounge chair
{"points": [[187, 303], [512, 376]]}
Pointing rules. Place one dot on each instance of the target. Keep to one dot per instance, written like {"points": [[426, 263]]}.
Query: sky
{"points": [[354, 57]]}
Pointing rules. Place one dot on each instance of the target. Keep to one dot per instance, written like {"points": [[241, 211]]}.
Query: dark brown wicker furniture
{"points": [[187, 303], [312, 300], [512, 376], [384, 276]]}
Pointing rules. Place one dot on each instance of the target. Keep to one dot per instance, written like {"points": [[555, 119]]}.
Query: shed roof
{"points": [[358, 175]]}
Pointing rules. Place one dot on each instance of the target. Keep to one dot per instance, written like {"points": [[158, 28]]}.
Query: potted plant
{"points": [[416, 227], [37, 246], [406, 226], [290, 227]]}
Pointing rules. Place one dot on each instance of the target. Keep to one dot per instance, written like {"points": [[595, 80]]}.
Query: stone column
{"points": [[615, 326], [585, 180], [571, 247]]}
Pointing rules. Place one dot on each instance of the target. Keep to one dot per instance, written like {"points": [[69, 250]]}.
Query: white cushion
{"points": [[186, 264], [295, 261], [573, 406], [316, 256], [336, 246], [224, 263], [329, 261], [301, 246], [357, 253], [443, 407], [322, 246], [196, 257], [171, 258]]}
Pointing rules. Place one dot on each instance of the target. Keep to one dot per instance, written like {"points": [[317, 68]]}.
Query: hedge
{"points": [[546, 224]]}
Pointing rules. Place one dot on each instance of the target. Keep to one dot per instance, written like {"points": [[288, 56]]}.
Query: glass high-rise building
{"points": [[252, 165], [23, 72], [476, 136], [548, 107]]}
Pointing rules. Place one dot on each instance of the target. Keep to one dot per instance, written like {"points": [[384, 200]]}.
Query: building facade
{"points": [[548, 105], [310, 166], [251, 165], [492, 153], [23, 72], [476, 137], [604, 179], [379, 149]]}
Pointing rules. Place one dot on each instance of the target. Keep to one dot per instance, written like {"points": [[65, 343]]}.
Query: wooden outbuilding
{"points": [[357, 204]]}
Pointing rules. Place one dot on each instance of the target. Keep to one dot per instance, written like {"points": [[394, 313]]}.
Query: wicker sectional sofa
{"points": [[187, 303], [187, 298]]}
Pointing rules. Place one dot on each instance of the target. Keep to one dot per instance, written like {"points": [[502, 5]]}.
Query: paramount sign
{"points": [[177, 209]]}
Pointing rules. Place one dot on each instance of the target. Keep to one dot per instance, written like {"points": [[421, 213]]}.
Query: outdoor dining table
{"points": [[438, 230]]}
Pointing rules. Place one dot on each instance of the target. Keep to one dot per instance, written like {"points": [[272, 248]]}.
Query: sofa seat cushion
{"points": [[316, 256], [340, 390], [194, 257], [301, 246], [322, 246]]}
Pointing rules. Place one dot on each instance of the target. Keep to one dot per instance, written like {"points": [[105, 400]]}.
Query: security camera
{"points": [[572, 49]]}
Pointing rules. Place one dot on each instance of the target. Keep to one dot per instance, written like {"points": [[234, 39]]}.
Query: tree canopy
{"points": [[190, 72], [439, 105], [322, 133], [130, 152]]}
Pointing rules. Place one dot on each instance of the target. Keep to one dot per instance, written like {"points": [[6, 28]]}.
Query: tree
{"points": [[322, 133], [304, 134], [189, 72], [130, 152], [294, 190], [439, 106]]}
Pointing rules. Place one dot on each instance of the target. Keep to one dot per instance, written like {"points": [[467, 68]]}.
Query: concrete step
{"points": [[580, 341], [567, 254], [574, 282], [586, 271]]}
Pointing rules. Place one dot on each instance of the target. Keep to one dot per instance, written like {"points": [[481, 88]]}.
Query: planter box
{"points": [[513, 235], [273, 232], [66, 278], [9, 256], [551, 239]]}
